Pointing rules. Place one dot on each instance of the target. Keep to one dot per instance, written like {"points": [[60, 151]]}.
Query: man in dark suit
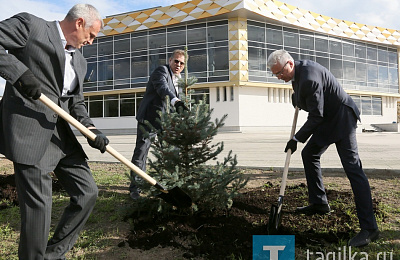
{"points": [[42, 58], [163, 83], [332, 118]]}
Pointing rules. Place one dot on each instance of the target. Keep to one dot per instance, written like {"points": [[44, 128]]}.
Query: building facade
{"points": [[228, 43]]}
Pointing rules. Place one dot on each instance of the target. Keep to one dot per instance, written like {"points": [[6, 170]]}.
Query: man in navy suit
{"points": [[38, 56], [163, 83], [332, 118]]}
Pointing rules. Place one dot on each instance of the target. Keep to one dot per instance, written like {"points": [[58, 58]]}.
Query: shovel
{"points": [[174, 196], [275, 214]]}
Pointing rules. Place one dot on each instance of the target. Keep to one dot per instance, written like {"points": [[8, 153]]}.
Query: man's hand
{"points": [[28, 85], [292, 145], [100, 142], [180, 105]]}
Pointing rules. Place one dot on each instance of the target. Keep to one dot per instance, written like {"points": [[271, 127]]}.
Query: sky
{"points": [[383, 13]]}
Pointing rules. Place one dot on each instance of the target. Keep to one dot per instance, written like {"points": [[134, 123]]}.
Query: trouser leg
{"points": [[348, 153], [34, 186], [140, 154], [311, 155], [75, 176]]}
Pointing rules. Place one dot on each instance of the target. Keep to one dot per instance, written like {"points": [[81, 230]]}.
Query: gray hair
{"points": [[86, 11], [179, 52], [278, 57]]}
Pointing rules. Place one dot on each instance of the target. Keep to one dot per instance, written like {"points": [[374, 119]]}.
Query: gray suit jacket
{"points": [[318, 92], [159, 86], [26, 125]]}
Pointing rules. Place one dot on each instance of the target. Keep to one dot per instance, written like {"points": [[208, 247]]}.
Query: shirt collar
{"points": [[63, 40]]}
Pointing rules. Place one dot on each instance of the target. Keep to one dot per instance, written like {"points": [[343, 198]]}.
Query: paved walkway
{"points": [[378, 150]]}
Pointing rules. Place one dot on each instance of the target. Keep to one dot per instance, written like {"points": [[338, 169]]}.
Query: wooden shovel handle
{"points": [[67, 117], [288, 154]]}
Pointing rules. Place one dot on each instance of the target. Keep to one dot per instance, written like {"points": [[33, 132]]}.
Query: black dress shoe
{"points": [[313, 209], [364, 237]]}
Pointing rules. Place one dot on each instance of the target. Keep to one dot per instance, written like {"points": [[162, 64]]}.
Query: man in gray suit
{"points": [[163, 83], [332, 118], [43, 58]]}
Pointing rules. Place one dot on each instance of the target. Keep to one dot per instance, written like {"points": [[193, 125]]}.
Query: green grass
{"points": [[106, 227]]}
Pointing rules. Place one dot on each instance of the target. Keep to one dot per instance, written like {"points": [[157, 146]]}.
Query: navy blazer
{"points": [[332, 113], [27, 125], [159, 86]]}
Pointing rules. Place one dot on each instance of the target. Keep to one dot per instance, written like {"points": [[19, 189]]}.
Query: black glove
{"points": [[179, 104], [292, 145], [28, 85], [100, 142]]}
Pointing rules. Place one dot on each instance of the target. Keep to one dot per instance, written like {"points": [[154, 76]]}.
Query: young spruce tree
{"points": [[181, 152]]}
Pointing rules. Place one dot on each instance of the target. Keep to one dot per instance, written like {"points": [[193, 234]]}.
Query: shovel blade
{"points": [[176, 197], [275, 216]]}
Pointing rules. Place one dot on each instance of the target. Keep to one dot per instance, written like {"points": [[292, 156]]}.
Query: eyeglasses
{"points": [[179, 62], [281, 71]]}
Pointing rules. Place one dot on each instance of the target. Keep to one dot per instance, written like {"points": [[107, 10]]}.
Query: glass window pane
{"points": [[157, 41], [360, 51], [155, 61], [349, 69], [122, 68], [138, 43], [91, 74], [323, 61], [382, 55], [291, 39], [255, 33], [274, 36], [336, 68], [89, 50], [257, 59], [377, 106], [196, 35], [139, 66], [392, 56], [335, 47], [105, 48], [393, 76], [306, 42], [372, 73], [357, 100], [197, 60], [96, 109], [176, 38], [372, 53], [348, 49], [105, 70], [122, 46], [366, 106], [111, 106], [361, 72], [218, 59], [127, 106], [321, 45], [383, 75], [217, 33]]}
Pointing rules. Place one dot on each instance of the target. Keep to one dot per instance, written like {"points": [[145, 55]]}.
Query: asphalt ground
{"points": [[264, 150]]}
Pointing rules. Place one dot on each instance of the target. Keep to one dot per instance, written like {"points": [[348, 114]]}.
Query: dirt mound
{"points": [[223, 234]]}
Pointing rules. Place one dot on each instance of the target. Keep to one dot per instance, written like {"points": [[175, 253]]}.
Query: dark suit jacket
{"points": [[318, 92], [159, 86], [26, 126]]}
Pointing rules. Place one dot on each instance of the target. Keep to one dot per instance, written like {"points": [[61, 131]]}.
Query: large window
{"points": [[368, 105], [127, 60], [355, 64]]}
